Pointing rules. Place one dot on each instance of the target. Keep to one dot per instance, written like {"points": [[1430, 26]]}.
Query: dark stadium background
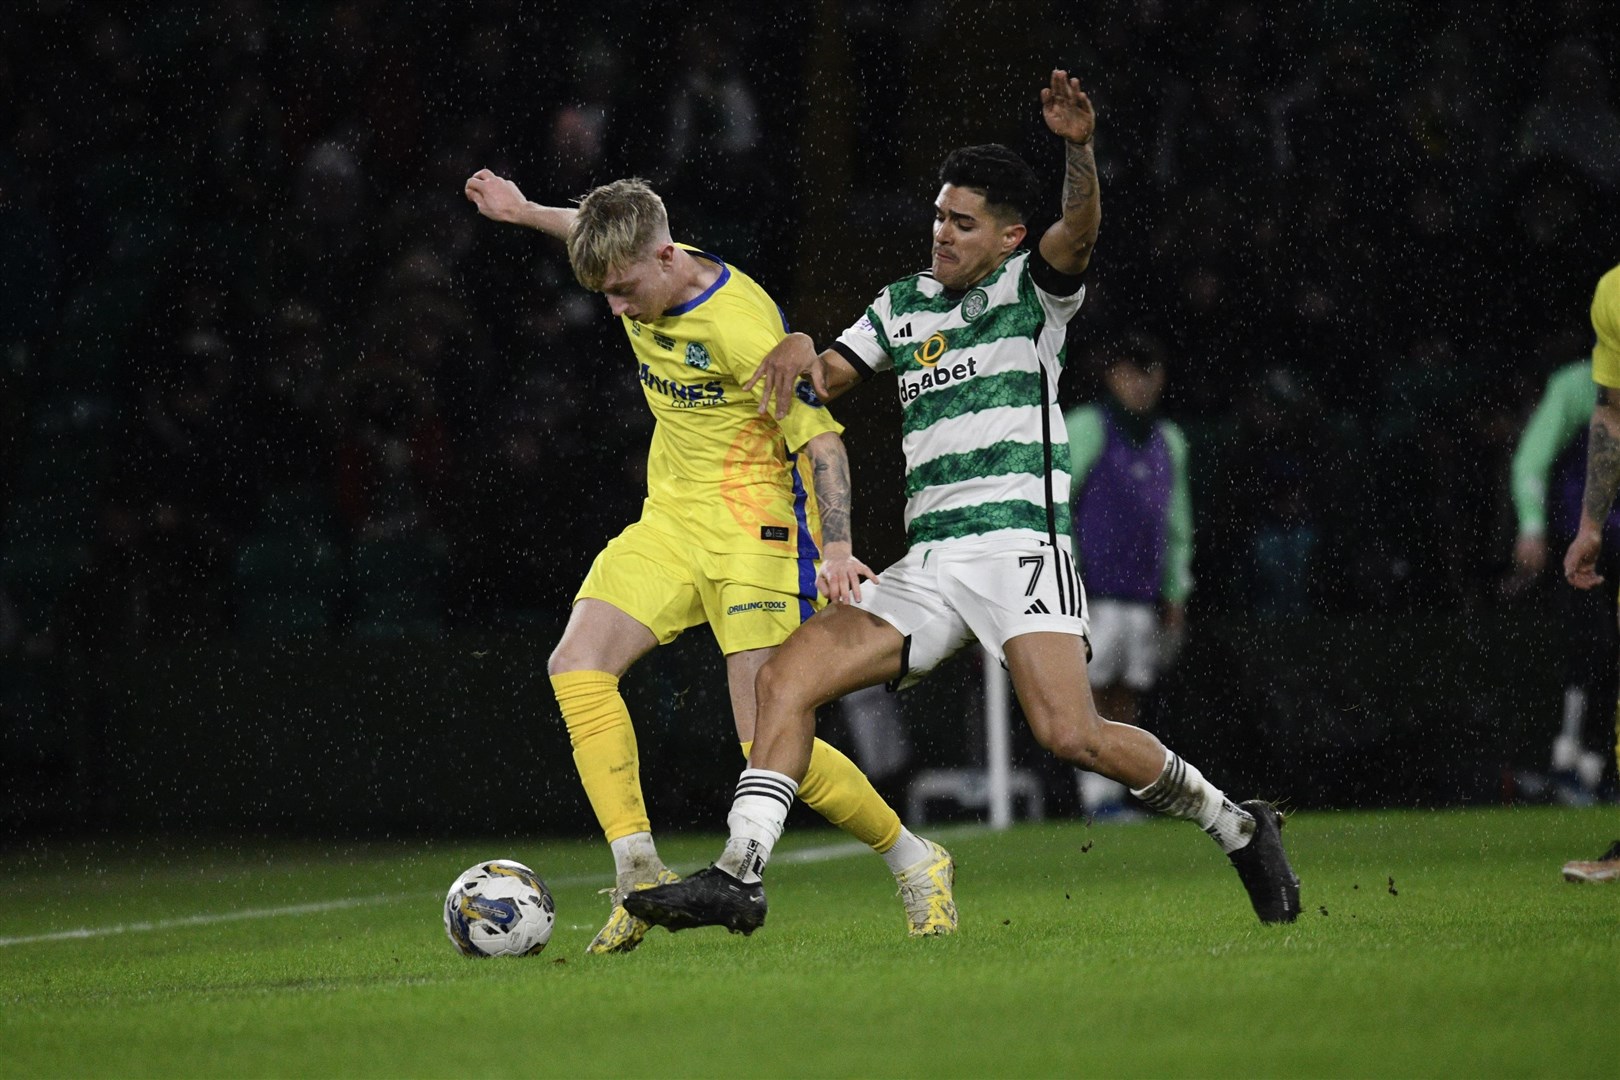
{"points": [[301, 460]]}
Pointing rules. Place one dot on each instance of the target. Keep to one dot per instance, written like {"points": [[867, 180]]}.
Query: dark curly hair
{"points": [[1007, 181]]}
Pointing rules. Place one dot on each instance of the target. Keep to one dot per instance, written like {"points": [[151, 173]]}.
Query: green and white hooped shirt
{"points": [[987, 453]]}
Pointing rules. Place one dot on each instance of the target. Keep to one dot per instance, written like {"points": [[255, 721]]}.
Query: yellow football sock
{"points": [[1617, 735], [835, 788], [604, 749]]}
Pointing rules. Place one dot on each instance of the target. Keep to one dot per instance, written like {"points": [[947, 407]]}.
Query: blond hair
{"points": [[615, 224]]}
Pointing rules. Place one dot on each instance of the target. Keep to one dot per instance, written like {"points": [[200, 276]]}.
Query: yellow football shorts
{"points": [[749, 601]]}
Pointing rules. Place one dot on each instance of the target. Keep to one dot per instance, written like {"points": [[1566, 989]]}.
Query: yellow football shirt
{"points": [[1606, 322], [720, 475]]}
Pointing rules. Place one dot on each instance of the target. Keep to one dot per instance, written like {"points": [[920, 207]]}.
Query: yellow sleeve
{"points": [[805, 421], [746, 342], [1606, 323]]}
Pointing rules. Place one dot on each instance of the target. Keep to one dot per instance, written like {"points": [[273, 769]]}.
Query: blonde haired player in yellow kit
{"points": [[739, 509], [1602, 480]]}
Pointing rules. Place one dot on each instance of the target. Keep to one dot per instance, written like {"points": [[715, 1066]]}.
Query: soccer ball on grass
{"points": [[499, 908]]}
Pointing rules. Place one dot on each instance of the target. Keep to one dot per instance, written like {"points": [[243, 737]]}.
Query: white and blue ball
{"points": [[499, 908]]}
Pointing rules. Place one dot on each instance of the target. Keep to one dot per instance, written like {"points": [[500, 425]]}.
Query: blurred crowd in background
{"points": [[263, 370]]}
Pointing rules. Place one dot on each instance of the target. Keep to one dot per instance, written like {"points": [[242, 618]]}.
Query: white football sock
{"points": [[758, 813], [1097, 792], [1574, 712], [1182, 792], [635, 858], [909, 850]]}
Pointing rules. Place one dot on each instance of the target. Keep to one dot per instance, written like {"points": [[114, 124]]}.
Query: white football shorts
{"points": [[943, 597], [1125, 643]]}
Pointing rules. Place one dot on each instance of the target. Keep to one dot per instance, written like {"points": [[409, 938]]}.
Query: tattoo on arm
{"points": [[830, 465], [1082, 208], [1602, 459], [1079, 177]]}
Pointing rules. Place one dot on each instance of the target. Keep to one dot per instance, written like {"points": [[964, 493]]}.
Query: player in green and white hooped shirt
{"points": [[976, 343]]}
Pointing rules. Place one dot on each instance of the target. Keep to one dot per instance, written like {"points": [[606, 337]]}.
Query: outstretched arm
{"points": [[841, 572], [1067, 244], [500, 200], [1602, 479]]}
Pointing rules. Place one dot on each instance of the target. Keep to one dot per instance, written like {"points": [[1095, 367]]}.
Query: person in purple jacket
{"points": [[1549, 471], [1133, 530]]}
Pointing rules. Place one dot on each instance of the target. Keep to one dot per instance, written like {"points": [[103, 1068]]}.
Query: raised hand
{"points": [[496, 197], [1067, 109]]}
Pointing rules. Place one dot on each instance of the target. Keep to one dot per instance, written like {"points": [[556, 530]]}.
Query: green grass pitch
{"points": [[1432, 944]]}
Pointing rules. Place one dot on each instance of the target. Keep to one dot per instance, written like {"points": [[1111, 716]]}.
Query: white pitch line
{"points": [[236, 916], [247, 913], [194, 920], [823, 853]]}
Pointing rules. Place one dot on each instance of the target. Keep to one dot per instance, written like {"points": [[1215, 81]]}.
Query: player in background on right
{"points": [[1602, 480], [1549, 468], [1133, 529]]}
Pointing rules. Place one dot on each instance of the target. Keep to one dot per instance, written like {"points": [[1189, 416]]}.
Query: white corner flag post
{"points": [[998, 743]]}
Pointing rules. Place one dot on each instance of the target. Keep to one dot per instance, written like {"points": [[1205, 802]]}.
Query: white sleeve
{"points": [[1061, 294], [863, 344], [1060, 309]]}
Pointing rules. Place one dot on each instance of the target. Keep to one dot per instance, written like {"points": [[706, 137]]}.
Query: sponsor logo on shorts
{"points": [[757, 605], [773, 532]]}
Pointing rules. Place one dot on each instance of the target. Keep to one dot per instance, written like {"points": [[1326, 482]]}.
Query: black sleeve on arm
{"points": [[1050, 278], [860, 366]]}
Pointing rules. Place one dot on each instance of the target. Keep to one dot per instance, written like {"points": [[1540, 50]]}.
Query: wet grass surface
{"points": [[1432, 944]]}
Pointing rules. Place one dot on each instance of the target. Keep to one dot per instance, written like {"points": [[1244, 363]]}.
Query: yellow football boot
{"points": [[624, 931], [925, 888]]}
